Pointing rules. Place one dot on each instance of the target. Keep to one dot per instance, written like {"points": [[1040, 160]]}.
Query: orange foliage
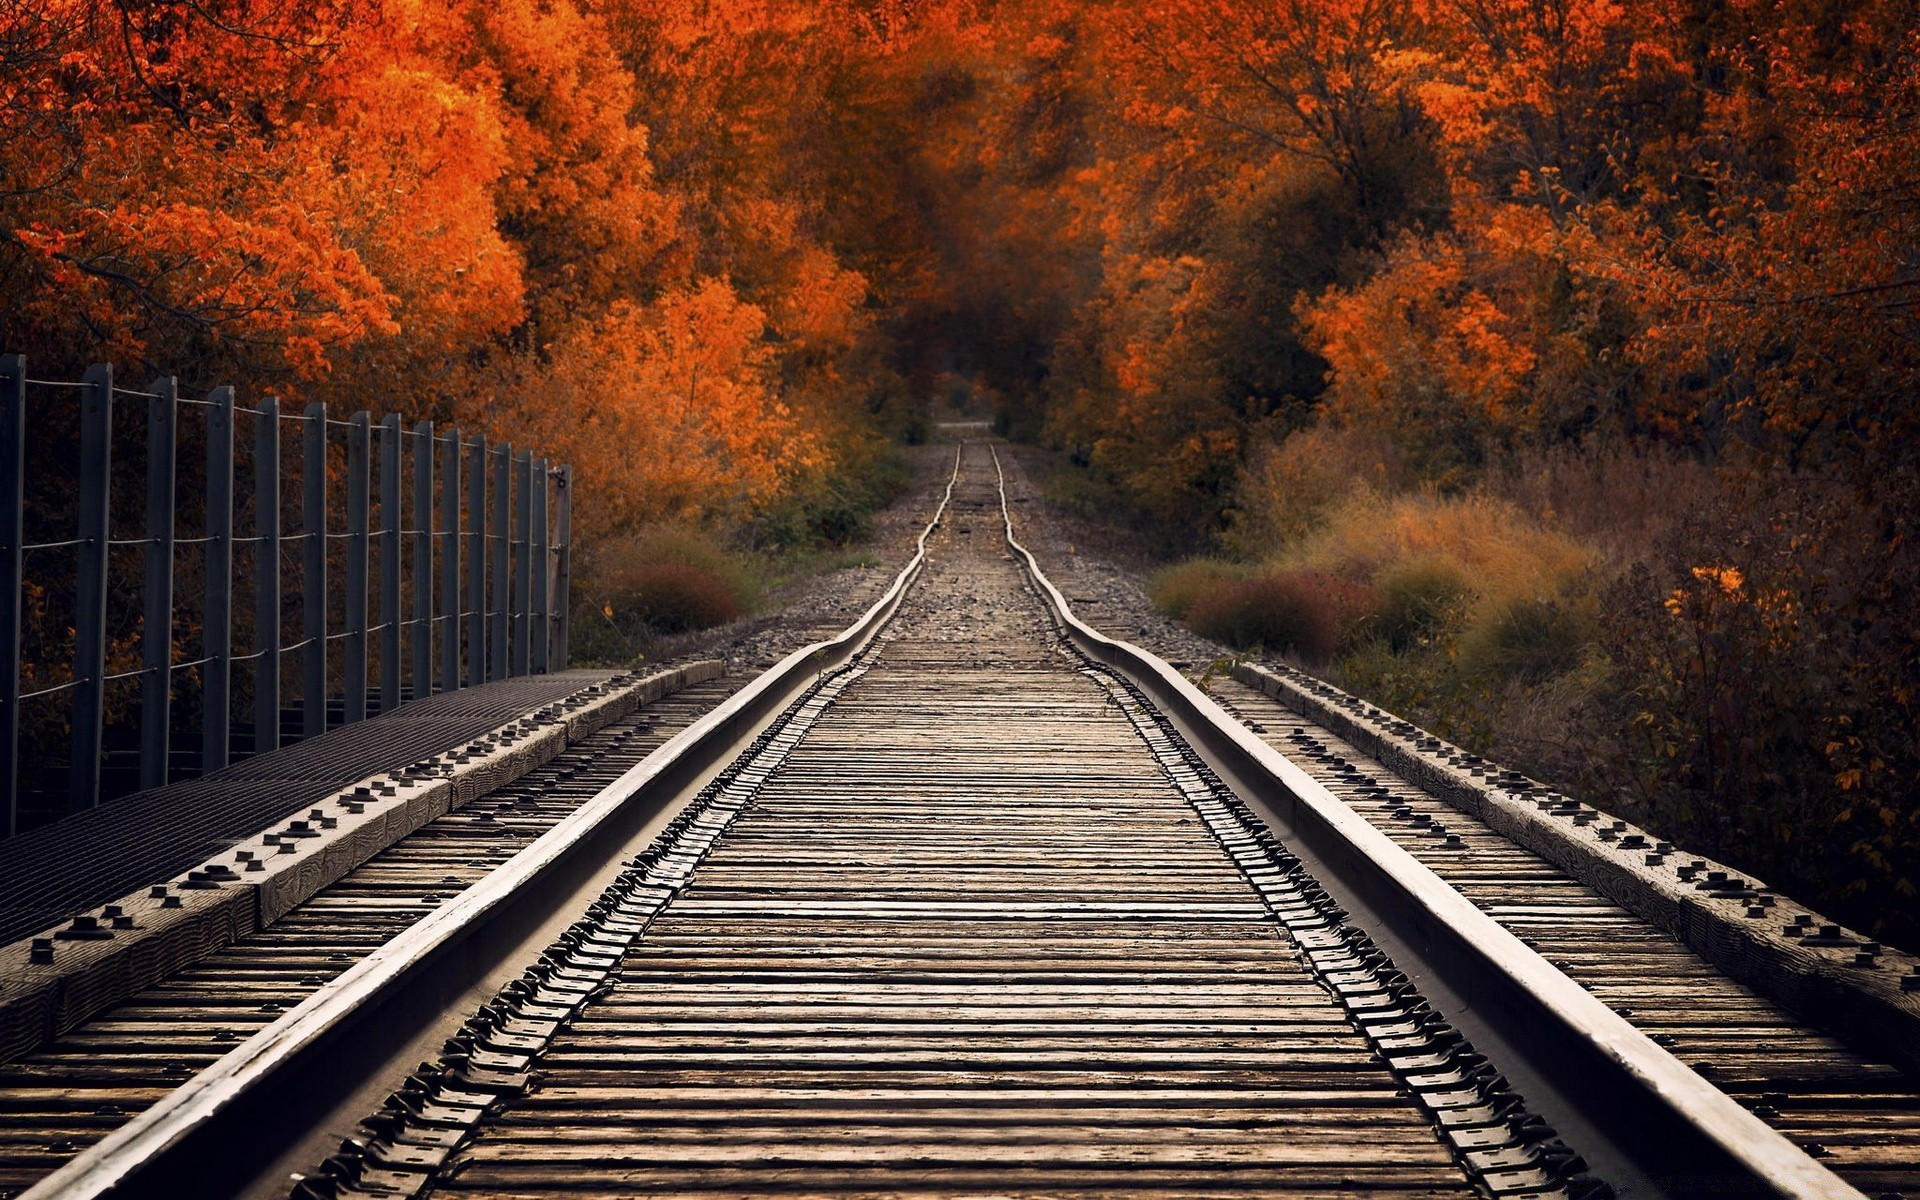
{"points": [[1166, 233], [1302, 78], [579, 197], [670, 411], [416, 157], [1417, 331], [1785, 304], [466, 209], [150, 190], [711, 251]]}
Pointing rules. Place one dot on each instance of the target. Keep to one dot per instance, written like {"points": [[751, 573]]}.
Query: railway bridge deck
{"points": [[965, 901]]}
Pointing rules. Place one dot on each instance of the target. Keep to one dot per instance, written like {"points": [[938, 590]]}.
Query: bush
{"points": [[1757, 702], [1529, 641], [673, 597], [1173, 589], [1619, 500], [616, 561], [1513, 591], [1504, 552], [1289, 489], [669, 580], [1305, 613], [1418, 599], [834, 512]]}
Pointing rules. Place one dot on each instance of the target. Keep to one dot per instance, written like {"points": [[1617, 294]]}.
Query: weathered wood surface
{"points": [[968, 941], [1828, 981], [271, 875]]}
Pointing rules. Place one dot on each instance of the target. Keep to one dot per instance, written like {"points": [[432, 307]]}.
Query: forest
{"points": [[1543, 370]]}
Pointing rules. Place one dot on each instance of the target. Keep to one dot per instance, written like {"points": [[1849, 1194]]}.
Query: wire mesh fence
{"points": [[188, 581]]}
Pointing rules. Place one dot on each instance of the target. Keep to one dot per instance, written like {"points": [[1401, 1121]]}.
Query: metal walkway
{"points": [[99, 854]]}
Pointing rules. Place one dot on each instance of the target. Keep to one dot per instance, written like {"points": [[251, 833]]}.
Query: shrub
{"points": [[1305, 613], [834, 511], [1288, 489], [673, 597], [669, 580], [1425, 684], [809, 517], [1417, 600], [1472, 562], [1529, 641], [1501, 550], [1757, 700], [1619, 500], [1173, 589]]}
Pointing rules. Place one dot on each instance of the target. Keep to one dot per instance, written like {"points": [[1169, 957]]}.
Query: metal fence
{"points": [[420, 561]]}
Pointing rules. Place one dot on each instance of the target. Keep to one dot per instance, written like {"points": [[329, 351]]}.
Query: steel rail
{"points": [[1638, 1114], [215, 1133]]}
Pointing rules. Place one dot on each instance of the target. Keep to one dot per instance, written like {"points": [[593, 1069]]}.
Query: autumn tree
{"points": [[158, 203], [1237, 155]]}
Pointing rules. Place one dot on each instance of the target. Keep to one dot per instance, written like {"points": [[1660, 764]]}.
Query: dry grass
{"points": [[616, 560], [1514, 596], [1308, 614], [1174, 589], [1504, 556], [674, 597], [1419, 600], [1288, 489], [663, 580], [1619, 502]]}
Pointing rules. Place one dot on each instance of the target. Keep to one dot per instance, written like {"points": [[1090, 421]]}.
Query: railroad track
{"points": [[1859, 1115], [967, 901], [64, 1097]]}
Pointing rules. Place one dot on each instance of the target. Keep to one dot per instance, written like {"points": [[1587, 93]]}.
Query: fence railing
{"points": [[420, 561]]}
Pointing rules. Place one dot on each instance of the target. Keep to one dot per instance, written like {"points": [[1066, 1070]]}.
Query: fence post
{"points": [[497, 662], [423, 560], [522, 562], [354, 671], [90, 587], [563, 567], [266, 577], [449, 592], [216, 693], [476, 561], [313, 608], [13, 496], [156, 593], [391, 451], [541, 622]]}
